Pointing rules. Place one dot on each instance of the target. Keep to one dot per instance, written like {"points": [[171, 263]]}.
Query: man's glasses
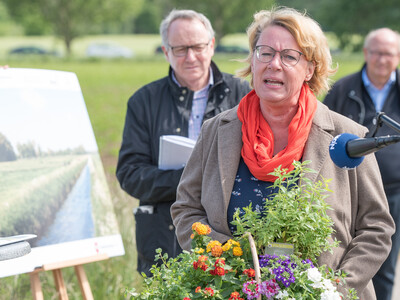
{"points": [[382, 54], [289, 57], [181, 51]]}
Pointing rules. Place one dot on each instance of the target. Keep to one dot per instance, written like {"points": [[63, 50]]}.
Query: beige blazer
{"points": [[360, 210]]}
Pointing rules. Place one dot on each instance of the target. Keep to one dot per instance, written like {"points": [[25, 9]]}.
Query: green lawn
{"points": [[106, 87]]}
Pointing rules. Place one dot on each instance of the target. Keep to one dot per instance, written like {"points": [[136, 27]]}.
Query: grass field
{"points": [[106, 86]]}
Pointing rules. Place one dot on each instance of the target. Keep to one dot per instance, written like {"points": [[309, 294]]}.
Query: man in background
{"points": [[194, 91], [360, 96]]}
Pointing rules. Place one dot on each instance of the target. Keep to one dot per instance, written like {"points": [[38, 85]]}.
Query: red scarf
{"points": [[258, 139]]}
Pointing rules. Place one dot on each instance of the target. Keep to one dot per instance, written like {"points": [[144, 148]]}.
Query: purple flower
{"points": [[251, 289], [269, 288]]}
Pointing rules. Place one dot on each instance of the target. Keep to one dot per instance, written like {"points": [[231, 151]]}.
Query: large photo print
{"points": [[52, 182]]}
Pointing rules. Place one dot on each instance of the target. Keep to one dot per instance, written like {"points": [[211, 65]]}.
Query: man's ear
{"points": [[165, 51]]}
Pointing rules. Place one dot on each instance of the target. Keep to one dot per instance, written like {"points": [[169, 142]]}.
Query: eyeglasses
{"points": [[180, 51], [289, 57], [382, 54]]}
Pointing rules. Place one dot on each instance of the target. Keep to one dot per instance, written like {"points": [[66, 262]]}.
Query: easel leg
{"points": [[58, 278], [83, 282], [36, 286]]}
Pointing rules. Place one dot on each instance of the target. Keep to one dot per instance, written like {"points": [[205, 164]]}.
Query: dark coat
{"points": [[349, 97], [163, 108]]}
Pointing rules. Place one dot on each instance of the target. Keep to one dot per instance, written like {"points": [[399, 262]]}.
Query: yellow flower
{"points": [[226, 246], [199, 250], [211, 244], [237, 251], [234, 243]]}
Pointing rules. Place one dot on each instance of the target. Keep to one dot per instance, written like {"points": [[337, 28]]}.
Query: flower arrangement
{"points": [[234, 271]]}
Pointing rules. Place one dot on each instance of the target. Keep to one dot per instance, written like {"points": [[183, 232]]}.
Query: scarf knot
{"points": [[258, 139]]}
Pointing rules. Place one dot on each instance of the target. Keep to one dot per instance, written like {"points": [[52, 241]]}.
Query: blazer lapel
{"points": [[229, 152], [316, 149]]}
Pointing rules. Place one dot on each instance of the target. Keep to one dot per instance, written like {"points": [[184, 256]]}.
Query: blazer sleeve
{"points": [[188, 207], [373, 227]]}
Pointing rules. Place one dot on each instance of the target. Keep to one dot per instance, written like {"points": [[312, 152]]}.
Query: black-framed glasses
{"points": [[289, 57], [180, 51]]}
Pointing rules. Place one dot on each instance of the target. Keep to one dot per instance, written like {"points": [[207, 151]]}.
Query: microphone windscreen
{"points": [[338, 152]]}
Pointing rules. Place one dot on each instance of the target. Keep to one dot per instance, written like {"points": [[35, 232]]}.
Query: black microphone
{"points": [[347, 150]]}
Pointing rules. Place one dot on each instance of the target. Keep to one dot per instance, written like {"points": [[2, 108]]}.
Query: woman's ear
{"points": [[310, 70]]}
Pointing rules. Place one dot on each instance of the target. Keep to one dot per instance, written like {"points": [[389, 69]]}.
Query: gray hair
{"points": [[376, 32], [183, 14]]}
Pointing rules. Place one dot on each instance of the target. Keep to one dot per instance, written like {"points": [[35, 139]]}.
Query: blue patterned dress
{"points": [[248, 189]]}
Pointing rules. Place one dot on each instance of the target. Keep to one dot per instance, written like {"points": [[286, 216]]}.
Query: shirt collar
{"points": [[368, 82], [210, 81]]}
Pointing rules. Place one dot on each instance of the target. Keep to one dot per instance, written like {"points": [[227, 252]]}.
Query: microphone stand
{"points": [[378, 121]]}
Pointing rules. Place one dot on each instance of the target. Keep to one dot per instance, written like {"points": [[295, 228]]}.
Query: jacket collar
{"points": [[183, 97], [178, 90]]}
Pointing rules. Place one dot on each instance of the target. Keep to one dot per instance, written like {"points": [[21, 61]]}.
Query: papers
{"points": [[174, 151], [15, 239]]}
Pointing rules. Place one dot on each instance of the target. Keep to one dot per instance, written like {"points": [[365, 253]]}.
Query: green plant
{"points": [[296, 214], [235, 271], [209, 271]]}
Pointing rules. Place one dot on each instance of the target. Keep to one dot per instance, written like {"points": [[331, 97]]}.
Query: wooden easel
{"points": [[58, 278]]}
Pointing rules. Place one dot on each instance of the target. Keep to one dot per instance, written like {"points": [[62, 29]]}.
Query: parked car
{"points": [[108, 50], [219, 49], [32, 50]]}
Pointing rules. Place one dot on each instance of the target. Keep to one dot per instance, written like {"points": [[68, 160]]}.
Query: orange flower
{"points": [[201, 263], [235, 296], [216, 251], [211, 244], [201, 229], [198, 289], [218, 271], [250, 273], [194, 225]]}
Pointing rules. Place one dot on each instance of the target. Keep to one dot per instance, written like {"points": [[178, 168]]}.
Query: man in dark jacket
{"points": [[193, 91], [360, 96]]}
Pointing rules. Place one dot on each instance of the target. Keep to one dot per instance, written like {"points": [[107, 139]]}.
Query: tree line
{"points": [[73, 18], [30, 150]]}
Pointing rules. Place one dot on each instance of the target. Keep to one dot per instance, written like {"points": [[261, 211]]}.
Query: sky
{"points": [[44, 107]]}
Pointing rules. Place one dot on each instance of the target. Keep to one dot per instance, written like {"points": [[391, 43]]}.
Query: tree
{"points": [[27, 150], [73, 18], [226, 16], [148, 21], [6, 149], [349, 18], [346, 18]]}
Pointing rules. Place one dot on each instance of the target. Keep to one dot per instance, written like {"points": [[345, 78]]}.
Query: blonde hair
{"points": [[308, 35]]}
